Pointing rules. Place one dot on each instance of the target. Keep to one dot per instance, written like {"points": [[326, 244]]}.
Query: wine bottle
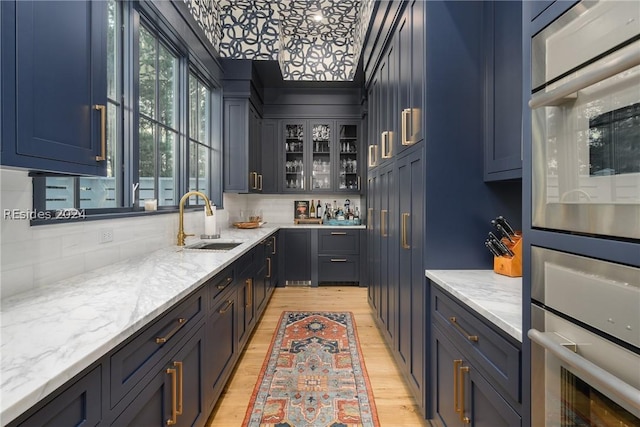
{"points": [[312, 210], [319, 210]]}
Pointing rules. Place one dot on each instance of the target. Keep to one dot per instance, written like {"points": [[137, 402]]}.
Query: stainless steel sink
{"points": [[214, 246]]}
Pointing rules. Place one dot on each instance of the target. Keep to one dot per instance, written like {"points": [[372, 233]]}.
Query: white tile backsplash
{"points": [[278, 208], [33, 256]]}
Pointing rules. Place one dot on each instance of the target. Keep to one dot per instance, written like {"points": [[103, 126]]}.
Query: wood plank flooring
{"points": [[396, 407]]}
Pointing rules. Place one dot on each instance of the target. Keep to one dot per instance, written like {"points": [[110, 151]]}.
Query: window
{"points": [[159, 121], [164, 118]]}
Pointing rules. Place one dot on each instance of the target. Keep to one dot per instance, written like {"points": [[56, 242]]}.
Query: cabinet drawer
{"points": [[133, 361], [338, 241], [342, 268], [219, 284], [491, 352]]}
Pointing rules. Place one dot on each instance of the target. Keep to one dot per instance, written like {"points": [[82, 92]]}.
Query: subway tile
{"points": [[101, 257], [16, 280], [59, 269]]}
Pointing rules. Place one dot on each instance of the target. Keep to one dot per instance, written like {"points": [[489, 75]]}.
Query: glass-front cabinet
{"points": [[320, 156]]}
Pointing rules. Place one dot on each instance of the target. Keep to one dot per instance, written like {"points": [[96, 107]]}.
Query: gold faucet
{"points": [[207, 205]]}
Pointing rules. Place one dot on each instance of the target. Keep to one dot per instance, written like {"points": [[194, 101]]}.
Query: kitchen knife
{"points": [[504, 233], [506, 225], [493, 250], [497, 247], [501, 246]]}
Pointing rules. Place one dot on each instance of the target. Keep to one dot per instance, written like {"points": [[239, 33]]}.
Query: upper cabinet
{"points": [[320, 156], [54, 85], [396, 93], [503, 90]]}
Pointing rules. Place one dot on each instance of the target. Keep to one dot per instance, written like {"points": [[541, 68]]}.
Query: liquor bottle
{"points": [[312, 210], [319, 210]]}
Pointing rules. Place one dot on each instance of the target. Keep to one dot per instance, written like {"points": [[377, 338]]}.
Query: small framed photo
{"points": [[301, 209]]}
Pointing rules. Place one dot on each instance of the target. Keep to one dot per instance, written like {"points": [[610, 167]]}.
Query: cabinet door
{"points": [[503, 85], [54, 75], [349, 160], [297, 255], [483, 404], [79, 404], [269, 156], [411, 294], [256, 179], [191, 372], [410, 112], [446, 397], [388, 237], [237, 176], [152, 405], [322, 155], [222, 344], [373, 148], [373, 242], [293, 146]]}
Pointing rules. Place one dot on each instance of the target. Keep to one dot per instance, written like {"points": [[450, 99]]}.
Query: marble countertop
{"points": [[50, 334], [498, 298]]}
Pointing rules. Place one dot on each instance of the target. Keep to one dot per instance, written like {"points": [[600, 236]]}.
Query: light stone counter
{"points": [[498, 298], [52, 333]]}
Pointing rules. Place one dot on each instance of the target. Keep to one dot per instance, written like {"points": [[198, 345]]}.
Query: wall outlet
{"points": [[106, 235]]}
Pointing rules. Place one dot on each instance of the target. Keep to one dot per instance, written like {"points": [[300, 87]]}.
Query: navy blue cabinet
{"points": [[477, 365], [297, 254], [338, 257], [242, 150], [78, 404], [503, 90], [412, 319], [54, 85], [268, 152]]}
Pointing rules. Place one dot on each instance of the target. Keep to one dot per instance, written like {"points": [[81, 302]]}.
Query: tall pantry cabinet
{"points": [[428, 206]]}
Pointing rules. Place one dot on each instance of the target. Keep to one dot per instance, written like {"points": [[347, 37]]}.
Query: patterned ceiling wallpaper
{"points": [[286, 31]]}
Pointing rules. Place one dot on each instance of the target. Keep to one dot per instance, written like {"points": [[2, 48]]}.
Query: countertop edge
{"points": [[505, 314]]}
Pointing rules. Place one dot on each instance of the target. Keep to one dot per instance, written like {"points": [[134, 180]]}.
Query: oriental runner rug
{"points": [[313, 375]]}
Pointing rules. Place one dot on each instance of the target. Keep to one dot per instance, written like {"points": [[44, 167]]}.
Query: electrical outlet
{"points": [[106, 235]]}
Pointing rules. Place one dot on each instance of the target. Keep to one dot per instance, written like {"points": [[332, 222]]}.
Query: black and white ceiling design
{"points": [[311, 39]]}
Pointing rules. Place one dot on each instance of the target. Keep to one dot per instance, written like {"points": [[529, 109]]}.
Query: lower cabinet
{"points": [[174, 394], [338, 258], [78, 404], [297, 254], [475, 369]]}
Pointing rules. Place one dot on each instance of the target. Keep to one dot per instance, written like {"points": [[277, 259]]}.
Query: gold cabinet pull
{"points": [[226, 283], [455, 323], [463, 418], [161, 340], [260, 182], [269, 268], [358, 182], [338, 233], [370, 219], [373, 155], [249, 293], [273, 251], [226, 307], [174, 399], [405, 241], [383, 219], [456, 365], [407, 125], [180, 389], [103, 132], [253, 177], [338, 260]]}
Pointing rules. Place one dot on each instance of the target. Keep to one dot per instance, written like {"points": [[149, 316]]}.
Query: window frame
{"points": [[133, 15]]}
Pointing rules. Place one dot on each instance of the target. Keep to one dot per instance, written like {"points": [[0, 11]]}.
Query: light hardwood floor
{"points": [[396, 407]]}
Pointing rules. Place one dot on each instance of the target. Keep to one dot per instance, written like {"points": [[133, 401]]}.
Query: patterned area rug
{"points": [[313, 376]]}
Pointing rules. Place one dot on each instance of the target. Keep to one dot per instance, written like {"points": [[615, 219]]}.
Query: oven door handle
{"points": [[590, 372], [624, 62]]}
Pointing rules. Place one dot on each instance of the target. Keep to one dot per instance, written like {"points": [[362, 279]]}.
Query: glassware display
{"points": [[348, 162], [321, 158], [294, 156]]}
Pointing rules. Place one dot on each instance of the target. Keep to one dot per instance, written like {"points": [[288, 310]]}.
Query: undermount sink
{"points": [[214, 246]]}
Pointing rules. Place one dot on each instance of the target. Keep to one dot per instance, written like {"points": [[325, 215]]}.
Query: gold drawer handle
{"points": [[373, 155], [383, 220], [338, 260], [180, 389], [174, 399], [463, 418], [456, 365], [249, 293], [161, 340], [338, 233], [226, 307], [269, 268], [405, 241], [103, 132], [273, 251], [226, 283], [455, 323]]}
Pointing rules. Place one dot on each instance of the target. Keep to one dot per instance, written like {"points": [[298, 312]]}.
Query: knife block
{"points": [[506, 266]]}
